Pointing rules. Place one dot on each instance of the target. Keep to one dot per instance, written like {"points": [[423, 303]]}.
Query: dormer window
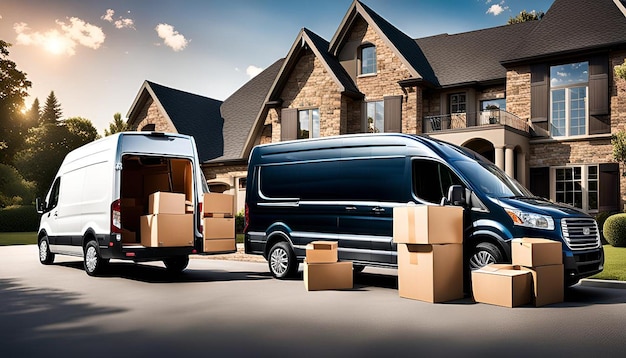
{"points": [[368, 60]]}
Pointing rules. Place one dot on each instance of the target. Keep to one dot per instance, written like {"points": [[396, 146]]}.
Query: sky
{"points": [[96, 54]]}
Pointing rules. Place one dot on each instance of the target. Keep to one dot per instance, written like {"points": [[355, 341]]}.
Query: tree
{"points": [[14, 190], [52, 110], [524, 16], [620, 70], [13, 90], [118, 125], [33, 115], [618, 141]]}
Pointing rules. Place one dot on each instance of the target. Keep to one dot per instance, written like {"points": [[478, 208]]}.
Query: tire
{"points": [[92, 262], [358, 268], [282, 261], [483, 254], [45, 256], [176, 265]]}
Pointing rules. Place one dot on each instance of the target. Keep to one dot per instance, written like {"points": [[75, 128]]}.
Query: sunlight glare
{"points": [[55, 45]]}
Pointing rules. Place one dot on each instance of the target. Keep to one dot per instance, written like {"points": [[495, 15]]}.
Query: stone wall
{"points": [[150, 114]]}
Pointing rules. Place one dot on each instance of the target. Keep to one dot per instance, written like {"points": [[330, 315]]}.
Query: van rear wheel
{"points": [[282, 261], [176, 265], [92, 262]]}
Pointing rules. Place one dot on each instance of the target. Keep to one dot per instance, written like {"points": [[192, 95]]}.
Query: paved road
{"points": [[234, 308]]}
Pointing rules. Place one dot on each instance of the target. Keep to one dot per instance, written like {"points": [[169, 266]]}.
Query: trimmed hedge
{"points": [[19, 219], [615, 230], [240, 222]]}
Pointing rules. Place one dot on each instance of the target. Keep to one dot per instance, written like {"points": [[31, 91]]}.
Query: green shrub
{"points": [[601, 218], [240, 222], [19, 219], [615, 230]]}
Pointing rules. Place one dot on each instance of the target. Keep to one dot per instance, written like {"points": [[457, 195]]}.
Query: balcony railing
{"points": [[466, 120]]}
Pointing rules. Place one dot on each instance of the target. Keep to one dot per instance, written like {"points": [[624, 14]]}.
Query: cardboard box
{"points": [[328, 276], [502, 285], [166, 203], [431, 273], [318, 252], [217, 203], [548, 285], [167, 230], [536, 252], [218, 228], [220, 245], [428, 224]]}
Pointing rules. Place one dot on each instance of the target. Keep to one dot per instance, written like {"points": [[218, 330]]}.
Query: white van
{"points": [[101, 192]]}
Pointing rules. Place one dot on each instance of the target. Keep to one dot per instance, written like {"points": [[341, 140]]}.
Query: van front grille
{"points": [[580, 233]]}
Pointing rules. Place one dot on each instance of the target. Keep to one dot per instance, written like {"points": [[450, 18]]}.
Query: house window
{"points": [[368, 60], [309, 123], [243, 183], [457, 103], [568, 99], [493, 104], [375, 114], [148, 128], [577, 186]]}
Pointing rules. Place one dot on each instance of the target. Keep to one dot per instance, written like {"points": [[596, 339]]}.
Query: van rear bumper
{"points": [[582, 264], [137, 252]]}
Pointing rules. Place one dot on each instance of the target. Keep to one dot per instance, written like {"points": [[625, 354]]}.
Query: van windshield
{"points": [[492, 180]]}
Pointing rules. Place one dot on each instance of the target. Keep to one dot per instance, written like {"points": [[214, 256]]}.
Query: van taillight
{"points": [[116, 217], [200, 215], [246, 218]]}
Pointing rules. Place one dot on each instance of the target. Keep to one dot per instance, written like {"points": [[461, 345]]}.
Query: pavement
{"points": [[240, 255]]}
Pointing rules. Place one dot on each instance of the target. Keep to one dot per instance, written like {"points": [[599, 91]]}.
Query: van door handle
{"points": [[378, 209], [351, 208], [56, 213]]}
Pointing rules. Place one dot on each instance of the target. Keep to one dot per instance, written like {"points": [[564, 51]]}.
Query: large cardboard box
{"points": [[502, 285], [431, 273], [218, 228], [428, 224], [217, 203], [318, 252], [532, 252], [219, 245], [548, 284], [167, 230], [328, 276], [166, 203]]}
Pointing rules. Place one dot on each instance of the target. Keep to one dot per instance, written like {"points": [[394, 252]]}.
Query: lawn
{"points": [[17, 238], [614, 264]]}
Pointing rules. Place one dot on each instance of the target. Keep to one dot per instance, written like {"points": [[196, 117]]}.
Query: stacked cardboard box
{"points": [[131, 210], [322, 271], [430, 252], [167, 224], [218, 222], [535, 275]]}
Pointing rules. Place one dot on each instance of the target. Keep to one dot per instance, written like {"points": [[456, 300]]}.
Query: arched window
{"points": [[367, 57]]}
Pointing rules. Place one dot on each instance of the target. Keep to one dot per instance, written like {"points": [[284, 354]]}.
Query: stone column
{"points": [[499, 157], [521, 168], [509, 165]]}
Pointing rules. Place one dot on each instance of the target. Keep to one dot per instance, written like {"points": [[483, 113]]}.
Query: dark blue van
{"points": [[344, 189]]}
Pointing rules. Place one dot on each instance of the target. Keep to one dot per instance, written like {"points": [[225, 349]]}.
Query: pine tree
{"points": [[52, 111], [118, 125]]}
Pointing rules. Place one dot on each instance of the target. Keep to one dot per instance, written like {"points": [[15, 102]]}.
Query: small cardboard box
{"points": [[217, 203], [428, 224], [328, 276], [430, 273], [531, 252], [502, 285], [218, 228], [167, 230], [318, 252], [219, 245], [548, 284], [166, 203]]}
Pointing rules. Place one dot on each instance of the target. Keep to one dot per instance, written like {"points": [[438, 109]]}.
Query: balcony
{"points": [[456, 121]]}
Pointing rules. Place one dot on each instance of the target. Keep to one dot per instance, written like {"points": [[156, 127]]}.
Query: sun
{"points": [[54, 44]]}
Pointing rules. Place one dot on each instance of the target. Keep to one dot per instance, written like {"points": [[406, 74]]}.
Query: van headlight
{"points": [[535, 221]]}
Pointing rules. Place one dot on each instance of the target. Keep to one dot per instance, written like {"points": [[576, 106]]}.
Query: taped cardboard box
{"points": [[428, 224], [548, 286], [502, 285], [218, 228], [217, 203], [220, 245], [531, 252], [166, 203], [321, 252], [167, 230], [430, 273], [328, 276]]}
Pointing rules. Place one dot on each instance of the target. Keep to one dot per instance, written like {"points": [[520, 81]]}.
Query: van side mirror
{"points": [[40, 205], [456, 195]]}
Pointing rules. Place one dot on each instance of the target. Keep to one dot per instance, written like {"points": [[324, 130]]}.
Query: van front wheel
{"points": [[45, 256], [282, 260], [484, 253]]}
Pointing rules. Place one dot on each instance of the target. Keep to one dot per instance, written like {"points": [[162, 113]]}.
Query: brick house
{"points": [[539, 98]]}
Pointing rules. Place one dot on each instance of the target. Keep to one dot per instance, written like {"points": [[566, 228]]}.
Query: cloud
{"points": [[121, 22], [497, 9], [171, 37], [253, 70], [65, 41]]}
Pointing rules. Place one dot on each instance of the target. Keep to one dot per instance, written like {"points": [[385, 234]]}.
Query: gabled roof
{"points": [[571, 26], [189, 113], [405, 48], [306, 39], [473, 57], [242, 109]]}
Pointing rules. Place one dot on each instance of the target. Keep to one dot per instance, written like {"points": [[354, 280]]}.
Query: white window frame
{"points": [[568, 120], [366, 117], [311, 131], [361, 62], [584, 174]]}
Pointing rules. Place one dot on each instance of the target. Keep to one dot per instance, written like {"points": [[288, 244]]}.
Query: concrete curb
{"points": [[590, 282]]}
